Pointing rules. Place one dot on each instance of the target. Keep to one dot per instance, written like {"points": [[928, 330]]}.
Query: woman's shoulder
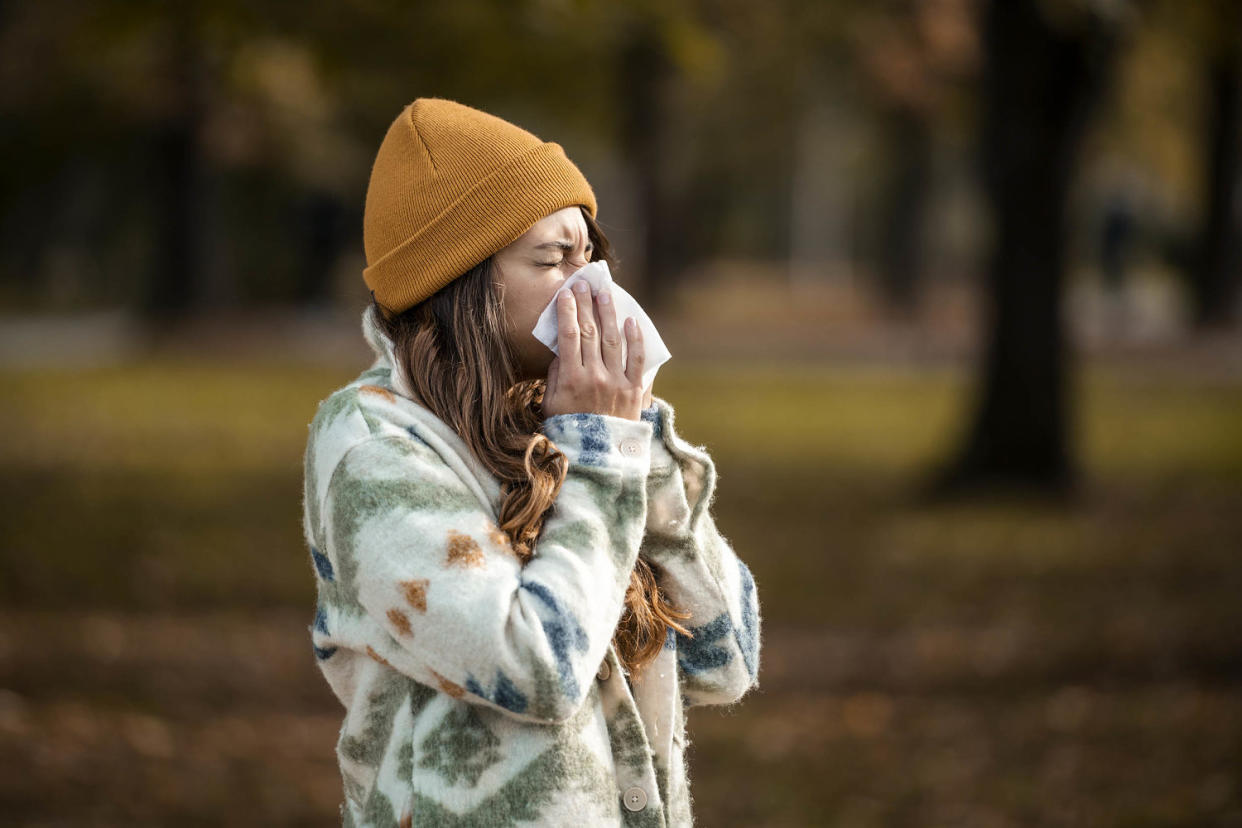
{"points": [[365, 411]]}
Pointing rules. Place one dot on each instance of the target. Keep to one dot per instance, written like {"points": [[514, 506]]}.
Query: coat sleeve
{"points": [[698, 570], [418, 554]]}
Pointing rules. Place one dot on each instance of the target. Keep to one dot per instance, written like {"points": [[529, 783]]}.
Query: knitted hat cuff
{"points": [[533, 185]]}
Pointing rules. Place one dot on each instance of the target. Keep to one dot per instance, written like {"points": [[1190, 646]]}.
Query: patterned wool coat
{"points": [[483, 692]]}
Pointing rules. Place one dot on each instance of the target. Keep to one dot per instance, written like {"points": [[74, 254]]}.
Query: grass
{"points": [[1002, 663]]}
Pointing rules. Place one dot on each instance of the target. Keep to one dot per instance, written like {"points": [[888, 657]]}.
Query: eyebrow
{"points": [[563, 245]]}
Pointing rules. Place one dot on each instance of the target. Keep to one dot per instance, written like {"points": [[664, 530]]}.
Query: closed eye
{"points": [[564, 247], [561, 262]]}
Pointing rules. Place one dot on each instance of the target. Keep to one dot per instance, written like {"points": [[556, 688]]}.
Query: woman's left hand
{"points": [[647, 396]]}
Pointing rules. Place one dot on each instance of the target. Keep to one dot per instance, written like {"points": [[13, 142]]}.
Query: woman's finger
{"points": [[637, 357], [610, 337], [567, 339], [554, 374], [588, 328]]}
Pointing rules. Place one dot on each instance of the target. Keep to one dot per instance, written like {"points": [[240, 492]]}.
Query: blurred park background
{"points": [[952, 289]]}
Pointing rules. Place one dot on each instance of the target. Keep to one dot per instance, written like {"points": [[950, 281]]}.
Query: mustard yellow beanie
{"points": [[451, 185]]}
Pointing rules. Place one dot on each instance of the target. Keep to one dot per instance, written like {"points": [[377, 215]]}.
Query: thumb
{"points": [[554, 372]]}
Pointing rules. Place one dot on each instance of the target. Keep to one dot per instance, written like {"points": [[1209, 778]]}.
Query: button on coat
{"points": [[635, 798]]}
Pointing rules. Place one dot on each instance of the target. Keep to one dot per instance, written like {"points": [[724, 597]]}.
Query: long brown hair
{"points": [[463, 369]]}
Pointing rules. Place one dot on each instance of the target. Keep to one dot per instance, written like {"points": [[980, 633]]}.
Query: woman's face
{"points": [[530, 271]]}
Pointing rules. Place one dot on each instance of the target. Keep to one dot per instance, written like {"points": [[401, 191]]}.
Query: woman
{"points": [[521, 587]]}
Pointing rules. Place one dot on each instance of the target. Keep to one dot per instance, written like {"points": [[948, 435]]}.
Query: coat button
{"points": [[635, 799], [604, 672], [631, 447]]}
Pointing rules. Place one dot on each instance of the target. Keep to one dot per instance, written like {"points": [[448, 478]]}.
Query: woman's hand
{"points": [[588, 374]]}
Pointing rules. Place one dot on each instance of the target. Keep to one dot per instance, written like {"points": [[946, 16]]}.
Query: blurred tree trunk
{"points": [[174, 285], [1219, 267], [324, 222], [1039, 85], [902, 251], [644, 73]]}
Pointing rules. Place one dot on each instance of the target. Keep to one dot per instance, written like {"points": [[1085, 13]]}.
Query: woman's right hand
{"points": [[588, 374]]}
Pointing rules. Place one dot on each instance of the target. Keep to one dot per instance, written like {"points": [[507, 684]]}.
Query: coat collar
{"points": [[385, 353], [485, 484]]}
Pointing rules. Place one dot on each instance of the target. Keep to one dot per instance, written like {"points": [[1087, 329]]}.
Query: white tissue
{"points": [[597, 275]]}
